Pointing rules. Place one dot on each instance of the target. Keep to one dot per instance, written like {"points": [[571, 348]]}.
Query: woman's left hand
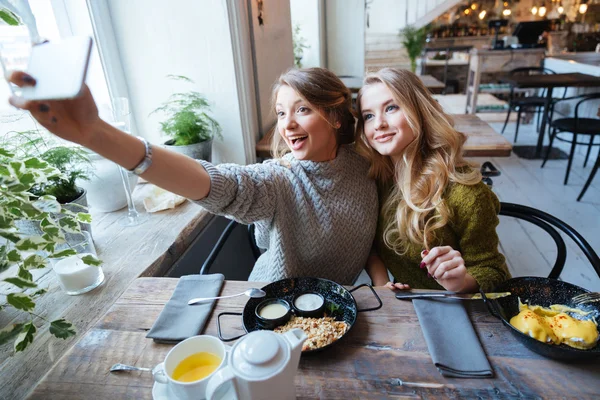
{"points": [[447, 266]]}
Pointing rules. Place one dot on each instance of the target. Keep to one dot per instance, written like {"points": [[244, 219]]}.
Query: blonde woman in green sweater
{"points": [[437, 223]]}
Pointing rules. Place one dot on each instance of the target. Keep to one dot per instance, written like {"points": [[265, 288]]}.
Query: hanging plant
{"points": [[23, 253]]}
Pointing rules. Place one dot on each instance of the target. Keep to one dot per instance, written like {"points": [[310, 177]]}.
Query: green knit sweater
{"points": [[470, 230]]}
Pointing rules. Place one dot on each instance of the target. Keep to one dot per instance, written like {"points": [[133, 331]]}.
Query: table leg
{"points": [[540, 142]]}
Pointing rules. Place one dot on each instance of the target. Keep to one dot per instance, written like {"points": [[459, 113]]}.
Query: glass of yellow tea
{"points": [[189, 365]]}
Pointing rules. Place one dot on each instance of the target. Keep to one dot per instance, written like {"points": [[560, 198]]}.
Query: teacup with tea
{"points": [[189, 365]]}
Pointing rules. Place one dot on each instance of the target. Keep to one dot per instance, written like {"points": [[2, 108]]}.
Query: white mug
{"points": [[163, 372]]}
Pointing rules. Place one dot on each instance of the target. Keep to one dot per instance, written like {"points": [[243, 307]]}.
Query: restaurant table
{"points": [[549, 82], [354, 83], [482, 139], [384, 355]]}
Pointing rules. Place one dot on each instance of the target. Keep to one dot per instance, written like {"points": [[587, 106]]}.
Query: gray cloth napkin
{"points": [[451, 339], [178, 320]]}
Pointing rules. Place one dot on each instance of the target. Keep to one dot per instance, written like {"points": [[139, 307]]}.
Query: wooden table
{"points": [[482, 139], [384, 356], [354, 83], [549, 81], [149, 249], [431, 83]]}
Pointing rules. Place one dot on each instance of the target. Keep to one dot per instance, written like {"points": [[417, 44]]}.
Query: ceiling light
{"points": [[534, 10], [482, 14], [583, 8], [542, 11], [506, 12]]}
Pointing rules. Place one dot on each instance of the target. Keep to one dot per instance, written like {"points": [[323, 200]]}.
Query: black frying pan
{"points": [[339, 303], [543, 292]]}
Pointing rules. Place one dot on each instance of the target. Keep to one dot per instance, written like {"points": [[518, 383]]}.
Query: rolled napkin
{"points": [[178, 320], [451, 339], [157, 199]]}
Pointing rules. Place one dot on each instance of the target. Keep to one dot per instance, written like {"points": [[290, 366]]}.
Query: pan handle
{"points": [[374, 293], [219, 326], [491, 305]]}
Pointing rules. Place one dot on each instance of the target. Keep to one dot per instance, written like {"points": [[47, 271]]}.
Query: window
{"points": [[54, 20]]}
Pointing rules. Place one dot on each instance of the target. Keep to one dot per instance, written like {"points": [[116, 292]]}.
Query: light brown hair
{"points": [[324, 91], [415, 208]]}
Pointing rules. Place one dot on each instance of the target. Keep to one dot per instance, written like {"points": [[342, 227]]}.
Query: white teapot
{"points": [[261, 365]]}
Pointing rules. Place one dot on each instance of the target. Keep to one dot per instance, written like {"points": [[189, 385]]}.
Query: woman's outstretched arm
{"points": [[77, 120]]}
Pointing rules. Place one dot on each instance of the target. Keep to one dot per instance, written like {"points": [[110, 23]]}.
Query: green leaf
{"points": [[70, 225], [20, 282], [9, 332], [62, 328], [29, 209], [35, 163], [64, 253], [6, 222], [10, 18], [25, 337], [20, 301], [91, 260], [27, 179], [18, 187], [16, 166], [34, 243], [23, 273], [47, 204], [6, 153], [84, 217], [38, 293], [10, 236], [14, 256], [52, 230], [34, 261]]}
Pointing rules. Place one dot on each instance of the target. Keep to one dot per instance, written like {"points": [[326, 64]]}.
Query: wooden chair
{"points": [[578, 125]]}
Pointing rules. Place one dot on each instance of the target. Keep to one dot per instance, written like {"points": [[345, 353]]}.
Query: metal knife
{"points": [[462, 296]]}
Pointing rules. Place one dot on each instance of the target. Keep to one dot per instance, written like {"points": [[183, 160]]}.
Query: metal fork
{"points": [[589, 297]]}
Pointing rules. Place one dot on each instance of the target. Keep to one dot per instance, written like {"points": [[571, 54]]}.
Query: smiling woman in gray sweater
{"points": [[315, 209], [314, 218]]}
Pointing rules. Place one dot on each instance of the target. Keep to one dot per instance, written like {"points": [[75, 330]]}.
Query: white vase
{"points": [[105, 191]]}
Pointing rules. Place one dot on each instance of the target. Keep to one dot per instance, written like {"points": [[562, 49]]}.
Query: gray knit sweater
{"points": [[313, 218]]}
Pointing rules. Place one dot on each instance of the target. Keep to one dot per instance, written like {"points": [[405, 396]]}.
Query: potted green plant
{"points": [[21, 252], [413, 40], [300, 45], [190, 128], [71, 161]]}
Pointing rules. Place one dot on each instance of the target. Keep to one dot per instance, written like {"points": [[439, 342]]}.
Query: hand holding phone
{"points": [[59, 69]]}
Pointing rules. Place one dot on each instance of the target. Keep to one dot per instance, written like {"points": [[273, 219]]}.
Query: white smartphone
{"points": [[59, 69]]}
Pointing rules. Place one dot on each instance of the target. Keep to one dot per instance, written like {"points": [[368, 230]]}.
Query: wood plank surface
{"points": [[553, 80], [482, 140], [384, 355], [149, 249]]}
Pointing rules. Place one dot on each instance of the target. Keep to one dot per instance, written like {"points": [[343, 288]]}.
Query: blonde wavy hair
{"points": [[324, 91], [415, 207]]}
